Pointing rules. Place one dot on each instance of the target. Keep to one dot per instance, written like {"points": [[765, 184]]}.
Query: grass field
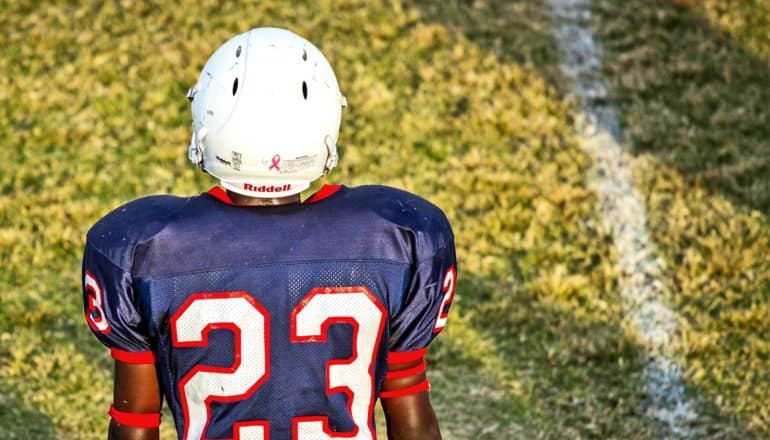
{"points": [[463, 103]]}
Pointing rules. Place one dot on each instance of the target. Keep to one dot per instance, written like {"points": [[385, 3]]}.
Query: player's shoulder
{"points": [[117, 233], [406, 210]]}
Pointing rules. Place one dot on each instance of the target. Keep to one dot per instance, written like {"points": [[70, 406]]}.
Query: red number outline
{"points": [[448, 287], [237, 428], [209, 369], [95, 294], [328, 322]]}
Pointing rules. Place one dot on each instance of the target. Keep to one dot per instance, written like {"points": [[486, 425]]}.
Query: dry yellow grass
{"points": [[456, 101], [691, 85]]}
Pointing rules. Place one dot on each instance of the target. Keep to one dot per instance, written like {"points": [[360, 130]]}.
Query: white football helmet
{"points": [[266, 114]]}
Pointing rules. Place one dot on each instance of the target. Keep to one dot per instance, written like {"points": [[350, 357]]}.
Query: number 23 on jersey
{"points": [[249, 322]]}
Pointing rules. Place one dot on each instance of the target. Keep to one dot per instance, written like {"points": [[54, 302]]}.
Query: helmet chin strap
{"points": [[331, 147], [195, 151], [331, 158]]}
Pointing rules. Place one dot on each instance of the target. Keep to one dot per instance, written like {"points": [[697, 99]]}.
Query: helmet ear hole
{"points": [[304, 89], [235, 86]]}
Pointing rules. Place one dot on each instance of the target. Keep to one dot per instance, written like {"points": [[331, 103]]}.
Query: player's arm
{"points": [[408, 415], [136, 406], [404, 397], [114, 317], [404, 393]]}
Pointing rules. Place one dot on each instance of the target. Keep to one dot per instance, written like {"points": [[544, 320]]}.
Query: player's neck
{"points": [[239, 199]]}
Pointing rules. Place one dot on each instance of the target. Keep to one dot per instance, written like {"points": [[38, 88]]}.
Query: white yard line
{"points": [[623, 212]]}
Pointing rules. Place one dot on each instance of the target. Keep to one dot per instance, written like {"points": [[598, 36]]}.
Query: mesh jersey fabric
{"points": [[255, 314]]}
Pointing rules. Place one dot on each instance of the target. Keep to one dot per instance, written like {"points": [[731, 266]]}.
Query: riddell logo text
{"points": [[266, 188]]}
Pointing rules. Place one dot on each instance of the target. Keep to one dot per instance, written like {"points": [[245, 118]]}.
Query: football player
{"points": [[257, 315]]}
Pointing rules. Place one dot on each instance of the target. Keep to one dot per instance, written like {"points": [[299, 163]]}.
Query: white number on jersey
{"points": [[249, 321], [354, 376], [190, 326], [95, 311], [448, 287]]}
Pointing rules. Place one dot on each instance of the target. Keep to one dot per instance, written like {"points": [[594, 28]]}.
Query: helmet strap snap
{"points": [[331, 158], [195, 151]]}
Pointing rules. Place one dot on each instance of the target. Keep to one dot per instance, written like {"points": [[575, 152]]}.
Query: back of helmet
{"points": [[266, 114]]}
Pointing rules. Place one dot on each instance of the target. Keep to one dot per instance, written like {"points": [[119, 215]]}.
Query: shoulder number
{"points": [[95, 310], [249, 321], [448, 287]]}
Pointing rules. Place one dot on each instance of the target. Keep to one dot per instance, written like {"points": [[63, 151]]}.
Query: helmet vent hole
{"points": [[304, 89], [235, 86], [304, 55], [238, 52]]}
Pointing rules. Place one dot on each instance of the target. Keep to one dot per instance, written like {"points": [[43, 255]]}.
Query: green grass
{"points": [[691, 84], [460, 102]]}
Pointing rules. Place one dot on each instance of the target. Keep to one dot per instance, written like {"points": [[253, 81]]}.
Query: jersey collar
{"points": [[325, 192]]}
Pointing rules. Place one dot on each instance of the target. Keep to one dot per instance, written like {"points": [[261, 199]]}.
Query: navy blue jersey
{"points": [[272, 321]]}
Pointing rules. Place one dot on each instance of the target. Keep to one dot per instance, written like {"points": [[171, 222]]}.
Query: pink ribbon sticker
{"points": [[276, 160]]}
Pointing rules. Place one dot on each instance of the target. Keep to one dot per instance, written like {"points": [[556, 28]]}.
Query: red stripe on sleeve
{"points": [[417, 369], [135, 420], [133, 357], [420, 387], [399, 357]]}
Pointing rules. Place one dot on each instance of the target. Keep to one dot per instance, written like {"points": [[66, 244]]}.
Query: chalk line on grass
{"points": [[623, 212]]}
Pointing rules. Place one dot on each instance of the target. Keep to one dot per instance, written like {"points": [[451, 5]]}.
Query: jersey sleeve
{"points": [[110, 308], [425, 310]]}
